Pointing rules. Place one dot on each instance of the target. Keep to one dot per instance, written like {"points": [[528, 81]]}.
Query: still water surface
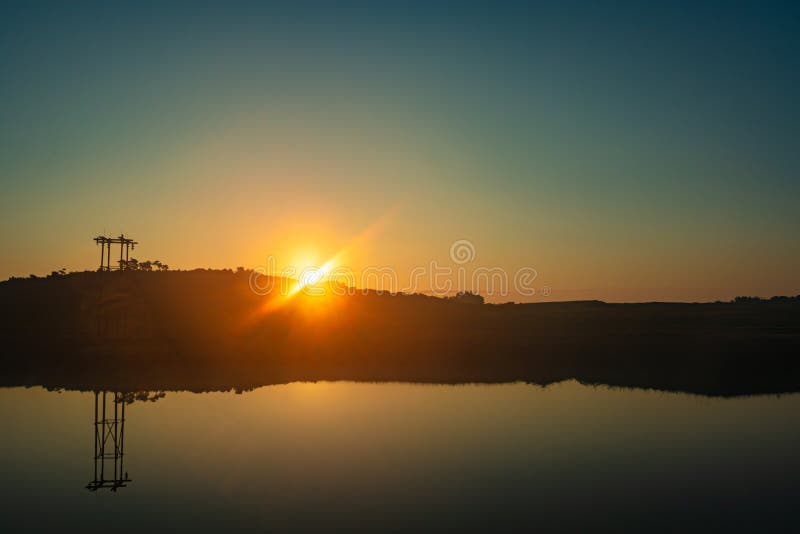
{"points": [[355, 456]]}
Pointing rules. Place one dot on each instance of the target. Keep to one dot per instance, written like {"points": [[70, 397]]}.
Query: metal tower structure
{"points": [[126, 244], [109, 443]]}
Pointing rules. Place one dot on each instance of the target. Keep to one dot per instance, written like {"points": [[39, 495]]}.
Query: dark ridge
{"points": [[206, 330]]}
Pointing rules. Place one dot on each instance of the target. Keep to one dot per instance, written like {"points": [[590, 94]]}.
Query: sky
{"points": [[625, 151]]}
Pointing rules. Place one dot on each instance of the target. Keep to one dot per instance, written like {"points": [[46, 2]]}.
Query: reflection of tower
{"points": [[109, 439]]}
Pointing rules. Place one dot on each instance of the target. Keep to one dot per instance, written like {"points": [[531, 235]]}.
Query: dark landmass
{"points": [[206, 330]]}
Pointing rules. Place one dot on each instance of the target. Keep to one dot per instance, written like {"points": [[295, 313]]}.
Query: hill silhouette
{"points": [[206, 330]]}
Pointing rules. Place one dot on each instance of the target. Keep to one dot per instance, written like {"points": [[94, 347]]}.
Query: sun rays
{"points": [[318, 283]]}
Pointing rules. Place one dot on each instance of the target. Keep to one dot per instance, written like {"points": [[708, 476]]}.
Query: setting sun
{"points": [[311, 276]]}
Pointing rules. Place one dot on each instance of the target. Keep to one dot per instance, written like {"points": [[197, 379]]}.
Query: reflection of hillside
{"points": [[204, 330]]}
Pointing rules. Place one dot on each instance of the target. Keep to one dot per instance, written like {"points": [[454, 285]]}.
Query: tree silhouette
{"points": [[148, 265]]}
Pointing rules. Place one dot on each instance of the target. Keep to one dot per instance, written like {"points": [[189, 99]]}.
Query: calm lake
{"points": [[358, 456]]}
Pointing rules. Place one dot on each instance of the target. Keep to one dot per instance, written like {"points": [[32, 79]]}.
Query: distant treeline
{"points": [[465, 296], [141, 329], [759, 299]]}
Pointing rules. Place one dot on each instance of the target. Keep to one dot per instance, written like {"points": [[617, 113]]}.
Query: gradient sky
{"points": [[626, 152]]}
